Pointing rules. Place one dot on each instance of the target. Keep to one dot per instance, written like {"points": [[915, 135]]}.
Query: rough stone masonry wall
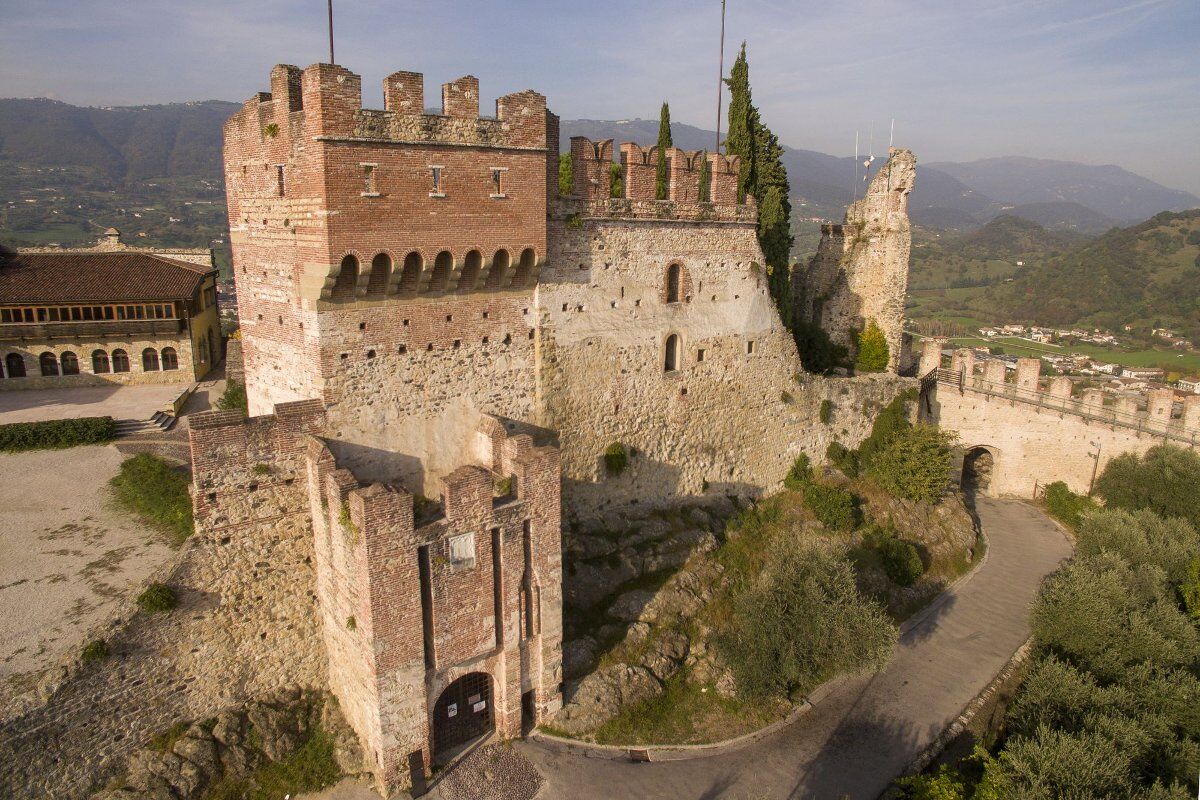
{"points": [[860, 270], [730, 423], [245, 626]]}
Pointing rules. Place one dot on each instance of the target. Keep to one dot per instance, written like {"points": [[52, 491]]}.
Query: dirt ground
{"points": [[67, 555]]}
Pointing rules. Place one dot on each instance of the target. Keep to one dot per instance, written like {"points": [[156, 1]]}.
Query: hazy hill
{"points": [[1108, 190], [1146, 273], [984, 256], [134, 143]]}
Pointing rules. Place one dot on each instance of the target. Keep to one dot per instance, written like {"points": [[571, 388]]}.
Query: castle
{"points": [[458, 358]]}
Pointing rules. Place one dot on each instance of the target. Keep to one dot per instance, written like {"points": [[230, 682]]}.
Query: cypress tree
{"points": [[664, 144], [739, 140], [705, 178], [762, 175]]}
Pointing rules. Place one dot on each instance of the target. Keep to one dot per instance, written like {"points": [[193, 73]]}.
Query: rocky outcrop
{"points": [[187, 760]]}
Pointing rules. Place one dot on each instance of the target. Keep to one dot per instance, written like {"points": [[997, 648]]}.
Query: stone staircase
{"points": [[161, 422]]}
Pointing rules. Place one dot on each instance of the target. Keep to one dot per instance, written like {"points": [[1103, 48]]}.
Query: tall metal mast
{"points": [[329, 3], [720, 75]]}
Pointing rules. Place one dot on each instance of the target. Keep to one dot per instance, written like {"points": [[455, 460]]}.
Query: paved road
{"points": [[116, 401], [863, 734]]}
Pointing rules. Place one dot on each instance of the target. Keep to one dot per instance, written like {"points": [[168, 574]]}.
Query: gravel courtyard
{"points": [[66, 557]]}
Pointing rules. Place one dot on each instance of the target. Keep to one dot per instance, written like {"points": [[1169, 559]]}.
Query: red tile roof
{"points": [[96, 278]]}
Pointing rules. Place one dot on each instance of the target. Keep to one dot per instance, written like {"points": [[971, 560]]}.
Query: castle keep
{"points": [[443, 345]]}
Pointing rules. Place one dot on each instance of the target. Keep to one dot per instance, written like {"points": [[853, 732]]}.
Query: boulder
{"points": [[579, 655], [629, 606]]}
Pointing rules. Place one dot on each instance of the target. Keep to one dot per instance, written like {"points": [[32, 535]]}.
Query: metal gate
{"points": [[462, 713]]}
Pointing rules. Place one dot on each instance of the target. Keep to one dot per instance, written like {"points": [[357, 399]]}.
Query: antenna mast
{"points": [[329, 3], [720, 75]]}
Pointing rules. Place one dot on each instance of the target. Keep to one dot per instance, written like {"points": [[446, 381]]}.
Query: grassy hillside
{"points": [[1148, 274], [984, 256]]}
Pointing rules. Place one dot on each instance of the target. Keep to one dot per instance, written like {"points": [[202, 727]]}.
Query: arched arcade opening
{"points": [[462, 714]]}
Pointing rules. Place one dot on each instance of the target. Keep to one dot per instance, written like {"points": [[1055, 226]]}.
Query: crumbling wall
{"points": [[860, 270]]}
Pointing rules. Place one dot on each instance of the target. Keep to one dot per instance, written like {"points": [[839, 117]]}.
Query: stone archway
{"points": [[979, 465], [462, 714]]}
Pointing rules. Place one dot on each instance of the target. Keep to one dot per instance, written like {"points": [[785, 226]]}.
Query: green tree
{"points": [[916, 464], [617, 186], [739, 140], [872, 349], [566, 177], [661, 187], [1164, 481], [705, 178]]}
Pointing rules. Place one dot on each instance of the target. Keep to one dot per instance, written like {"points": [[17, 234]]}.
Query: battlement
{"points": [[592, 173], [1155, 412], [325, 101]]}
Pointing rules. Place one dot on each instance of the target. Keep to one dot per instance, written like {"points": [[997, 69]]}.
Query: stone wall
{"points": [[860, 270], [83, 348], [1039, 434], [245, 626], [737, 409]]}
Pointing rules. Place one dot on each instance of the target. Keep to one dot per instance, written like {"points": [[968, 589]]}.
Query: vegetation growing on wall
{"points": [[872, 349], [615, 458], [234, 398]]}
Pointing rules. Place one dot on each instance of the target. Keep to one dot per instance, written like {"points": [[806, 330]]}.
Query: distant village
{"points": [[1105, 375]]}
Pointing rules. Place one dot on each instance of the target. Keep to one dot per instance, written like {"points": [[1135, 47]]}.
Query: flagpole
{"points": [[720, 75], [329, 3]]}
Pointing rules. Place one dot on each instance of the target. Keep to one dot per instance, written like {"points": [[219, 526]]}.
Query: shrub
{"points": [[834, 506], [941, 785], [901, 560], [915, 465], [826, 413], [157, 493], [617, 186], [842, 458], [785, 397], [872, 350], [888, 424], [800, 475], [1141, 538], [615, 458], [1190, 589], [157, 598], [56, 433], [233, 398], [1164, 480], [802, 621], [1066, 506], [96, 650]]}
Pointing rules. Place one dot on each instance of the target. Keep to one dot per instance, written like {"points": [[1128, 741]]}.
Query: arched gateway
{"points": [[978, 466], [463, 713]]}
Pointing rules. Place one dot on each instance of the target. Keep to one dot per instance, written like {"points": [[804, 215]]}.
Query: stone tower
{"points": [[860, 270]]}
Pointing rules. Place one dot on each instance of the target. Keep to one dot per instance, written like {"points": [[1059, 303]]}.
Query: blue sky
{"points": [[1089, 80]]}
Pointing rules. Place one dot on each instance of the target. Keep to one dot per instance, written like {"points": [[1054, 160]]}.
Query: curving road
{"points": [[868, 729]]}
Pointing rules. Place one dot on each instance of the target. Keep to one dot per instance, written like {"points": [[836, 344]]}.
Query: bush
{"points": [[56, 433], [234, 398], [901, 560], [834, 506], [157, 493], [888, 424], [942, 785], [615, 458], [872, 350], [1066, 506], [800, 475], [915, 465], [842, 458], [1141, 538], [826, 414], [801, 622], [1164, 481], [157, 598], [566, 175], [1190, 589], [96, 650]]}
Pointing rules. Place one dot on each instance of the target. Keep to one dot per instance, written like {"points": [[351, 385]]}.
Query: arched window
{"points": [[410, 278], [170, 359], [442, 266], [347, 279], [500, 262], [120, 360], [381, 271], [674, 282], [99, 362], [149, 360], [472, 265], [525, 266], [671, 363], [70, 363], [15, 363], [204, 351], [49, 364]]}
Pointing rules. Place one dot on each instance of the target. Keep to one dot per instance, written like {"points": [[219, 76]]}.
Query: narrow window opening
{"points": [[279, 179], [700, 354], [424, 571], [498, 585], [750, 347], [671, 362], [368, 174]]}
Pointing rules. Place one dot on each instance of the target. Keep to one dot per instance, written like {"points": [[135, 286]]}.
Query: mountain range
{"points": [[182, 141]]}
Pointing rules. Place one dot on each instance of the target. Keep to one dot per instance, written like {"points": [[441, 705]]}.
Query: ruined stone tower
{"points": [[860, 270]]}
